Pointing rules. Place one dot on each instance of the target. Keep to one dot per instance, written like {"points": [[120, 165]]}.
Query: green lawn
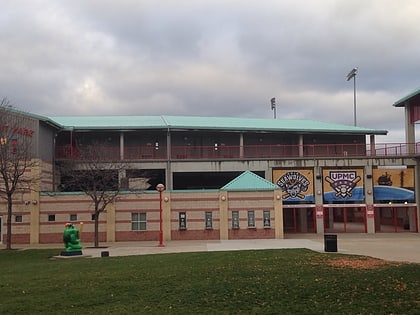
{"points": [[287, 281]]}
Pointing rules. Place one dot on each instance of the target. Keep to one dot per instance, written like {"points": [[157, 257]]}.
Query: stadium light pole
{"points": [[352, 75], [273, 106], [160, 188]]}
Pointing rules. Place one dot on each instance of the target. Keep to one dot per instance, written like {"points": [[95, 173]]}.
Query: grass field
{"points": [[286, 281]]}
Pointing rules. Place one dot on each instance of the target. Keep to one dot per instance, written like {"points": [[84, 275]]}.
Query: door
{"points": [[345, 220]]}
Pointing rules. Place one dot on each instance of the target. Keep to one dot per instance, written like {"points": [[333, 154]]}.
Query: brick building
{"points": [[225, 178]]}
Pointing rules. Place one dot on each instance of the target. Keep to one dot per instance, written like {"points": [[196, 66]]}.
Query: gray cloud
{"points": [[213, 58]]}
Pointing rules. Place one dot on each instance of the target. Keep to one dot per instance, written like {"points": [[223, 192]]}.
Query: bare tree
{"points": [[92, 173], [16, 158]]}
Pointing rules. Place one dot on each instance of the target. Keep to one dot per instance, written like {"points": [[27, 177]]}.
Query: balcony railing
{"points": [[223, 152]]}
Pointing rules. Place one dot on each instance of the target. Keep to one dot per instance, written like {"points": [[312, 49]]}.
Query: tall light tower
{"points": [[273, 106], [352, 75]]}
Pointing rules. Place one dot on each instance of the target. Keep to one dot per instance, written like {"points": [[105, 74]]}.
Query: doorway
{"points": [[345, 220], [395, 219], [299, 220]]}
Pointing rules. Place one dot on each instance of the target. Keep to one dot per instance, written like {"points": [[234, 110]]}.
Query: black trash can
{"points": [[330, 242]]}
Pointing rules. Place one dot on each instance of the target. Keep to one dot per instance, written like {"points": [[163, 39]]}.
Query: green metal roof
{"points": [[110, 122], [206, 123], [401, 102], [44, 119], [249, 181]]}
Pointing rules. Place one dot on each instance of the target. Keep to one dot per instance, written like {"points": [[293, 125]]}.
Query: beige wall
{"points": [[115, 223]]}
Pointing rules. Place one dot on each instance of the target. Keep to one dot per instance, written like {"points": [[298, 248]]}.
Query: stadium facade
{"points": [[225, 178]]}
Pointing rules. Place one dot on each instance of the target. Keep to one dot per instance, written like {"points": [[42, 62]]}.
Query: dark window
{"points": [[101, 180], [251, 219], [209, 220], [266, 218], [182, 221], [235, 219]]}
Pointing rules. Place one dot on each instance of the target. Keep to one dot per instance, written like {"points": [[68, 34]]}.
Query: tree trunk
{"points": [[96, 233], [9, 222]]}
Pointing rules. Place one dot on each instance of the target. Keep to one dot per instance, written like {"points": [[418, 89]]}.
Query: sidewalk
{"points": [[392, 247], [403, 247]]}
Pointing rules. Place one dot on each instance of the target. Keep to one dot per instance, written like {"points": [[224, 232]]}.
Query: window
{"points": [[138, 221], [101, 180], [266, 218], [251, 219], [73, 217], [14, 143], [235, 219], [209, 220], [51, 217], [182, 221], [18, 218]]}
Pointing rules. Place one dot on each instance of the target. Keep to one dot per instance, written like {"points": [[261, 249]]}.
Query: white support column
{"points": [[224, 215], [319, 199], [168, 174], [301, 145], [410, 137], [122, 146], [241, 145], [278, 214], [370, 210], [372, 145]]}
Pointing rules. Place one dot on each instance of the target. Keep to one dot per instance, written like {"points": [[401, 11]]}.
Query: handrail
{"points": [[235, 152]]}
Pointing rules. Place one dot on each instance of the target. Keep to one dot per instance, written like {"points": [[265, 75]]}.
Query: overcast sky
{"points": [[212, 58]]}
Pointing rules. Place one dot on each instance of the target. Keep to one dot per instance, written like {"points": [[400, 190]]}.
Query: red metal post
{"points": [[160, 188]]}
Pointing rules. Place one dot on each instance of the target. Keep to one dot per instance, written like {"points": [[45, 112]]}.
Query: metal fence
{"points": [[222, 152]]}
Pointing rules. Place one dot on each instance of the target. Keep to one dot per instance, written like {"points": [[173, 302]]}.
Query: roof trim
{"points": [[44, 119], [207, 123], [401, 102]]}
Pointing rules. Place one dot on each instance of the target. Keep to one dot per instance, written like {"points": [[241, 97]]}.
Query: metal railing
{"points": [[223, 152]]}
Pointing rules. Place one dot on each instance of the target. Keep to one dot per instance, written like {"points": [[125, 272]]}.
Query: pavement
{"points": [[398, 247]]}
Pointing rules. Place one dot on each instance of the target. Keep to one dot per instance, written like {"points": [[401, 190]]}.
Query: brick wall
{"points": [[115, 223]]}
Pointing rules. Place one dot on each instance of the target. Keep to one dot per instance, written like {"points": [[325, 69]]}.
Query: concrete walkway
{"points": [[392, 247], [403, 247]]}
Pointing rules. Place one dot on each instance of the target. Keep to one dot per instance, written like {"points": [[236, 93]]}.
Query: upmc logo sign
{"points": [[343, 182], [343, 175]]}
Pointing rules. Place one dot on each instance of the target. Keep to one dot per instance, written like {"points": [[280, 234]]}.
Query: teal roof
{"points": [[44, 119], [401, 102], [206, 123], [110, 122], [249, 181]]}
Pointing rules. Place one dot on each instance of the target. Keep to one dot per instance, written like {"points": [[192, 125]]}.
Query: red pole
{"points": [[160, 188]]}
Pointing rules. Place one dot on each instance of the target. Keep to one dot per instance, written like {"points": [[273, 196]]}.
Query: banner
{"points": [[296, 185], [393, 184], [343, 185]]}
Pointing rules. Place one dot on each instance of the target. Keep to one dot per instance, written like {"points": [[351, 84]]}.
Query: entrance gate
{"points": [[345, 219], [299, 220], [396, 218]]}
